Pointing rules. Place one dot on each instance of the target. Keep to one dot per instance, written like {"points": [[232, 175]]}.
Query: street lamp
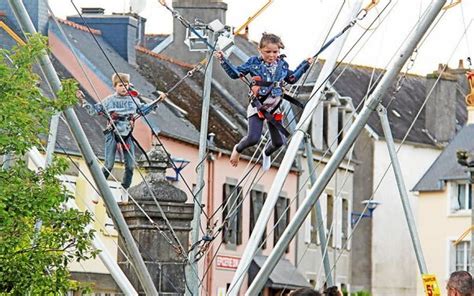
{"points": [[180, 164], [371, 205]]}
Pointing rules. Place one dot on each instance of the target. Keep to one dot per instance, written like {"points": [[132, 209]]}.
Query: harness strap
{"points": [[141, 149], [269, 117], [293, 101], [266, 83]]}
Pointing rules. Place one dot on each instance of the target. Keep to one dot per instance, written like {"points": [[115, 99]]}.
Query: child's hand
{"points": [[310, 60], [80, 96], [162, 96], [219, 55]]}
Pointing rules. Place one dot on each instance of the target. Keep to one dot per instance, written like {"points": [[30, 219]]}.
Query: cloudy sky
{"points": [[303, 24]]}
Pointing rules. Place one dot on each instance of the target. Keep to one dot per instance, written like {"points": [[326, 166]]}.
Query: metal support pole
{"points": [[402, 189], [371, 104], [76, 129], [192, 270], [286, 164], [53, 132], [319, 215]]}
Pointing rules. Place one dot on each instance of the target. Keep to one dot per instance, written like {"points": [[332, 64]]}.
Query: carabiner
{"points": [[362, 14]]}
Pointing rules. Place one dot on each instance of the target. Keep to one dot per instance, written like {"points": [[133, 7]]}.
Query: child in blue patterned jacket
{"points": [[120, 109], [272, 73]]}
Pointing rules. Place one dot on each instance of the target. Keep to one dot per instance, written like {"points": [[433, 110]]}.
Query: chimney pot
{"points": [[93, 10], [441, 68], [461, 64]]}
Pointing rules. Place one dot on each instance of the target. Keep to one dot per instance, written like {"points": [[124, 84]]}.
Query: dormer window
{"points": [[460, 197]]}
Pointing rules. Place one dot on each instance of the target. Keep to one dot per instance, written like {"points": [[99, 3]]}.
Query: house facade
{"points": [[445, 206]]}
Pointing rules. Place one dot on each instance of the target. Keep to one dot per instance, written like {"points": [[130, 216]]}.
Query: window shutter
{"points": [[452, 257], [239, 219], [317, 127], [323, 202], [338, 222], [264, 236], [348, 225], [307, 229]]}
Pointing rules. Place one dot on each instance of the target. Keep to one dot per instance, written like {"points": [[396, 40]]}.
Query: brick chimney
{"points": [[440, 110], [37, 10], [121, 31]]}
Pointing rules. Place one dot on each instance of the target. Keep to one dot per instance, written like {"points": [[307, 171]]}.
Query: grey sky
{"points": [[301, 23]]}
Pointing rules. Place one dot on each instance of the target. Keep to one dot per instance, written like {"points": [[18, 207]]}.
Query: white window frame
{"points": [[307, 229], [453, 188], [115, 187], [309, 223], [347, 225], [452, 249], [69, 182], [338, 221]]}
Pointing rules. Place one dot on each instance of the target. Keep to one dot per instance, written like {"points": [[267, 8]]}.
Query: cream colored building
{"points": [[444, 211]]}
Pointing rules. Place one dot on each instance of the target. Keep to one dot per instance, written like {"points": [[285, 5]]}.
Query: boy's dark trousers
{"points": [[128, 154]]}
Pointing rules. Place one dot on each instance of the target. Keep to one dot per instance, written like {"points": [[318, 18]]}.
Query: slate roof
{"points": [[164, 74], [354, 82], [6, 42], [152, 40], [165, 119], [445, 167], [92, 125]]}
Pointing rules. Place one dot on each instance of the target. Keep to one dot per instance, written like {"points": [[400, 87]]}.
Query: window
{"points": [[340, 124], [346, 223], [232, 200], [329, 216], [314, 226], [115, 187], [460, 258], [312, 223], [461, 197], [69, 182], [326, 123], [282, 217], [257, 199]]}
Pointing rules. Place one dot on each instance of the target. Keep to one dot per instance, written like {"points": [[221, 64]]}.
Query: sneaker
{"points": [[124, 195], [267, 162]]}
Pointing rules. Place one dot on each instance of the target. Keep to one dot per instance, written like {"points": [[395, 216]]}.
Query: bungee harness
{"points": [[273, 117]]}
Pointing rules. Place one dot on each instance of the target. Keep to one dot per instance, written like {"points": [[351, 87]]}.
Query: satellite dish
{"points": [[137, 6]]}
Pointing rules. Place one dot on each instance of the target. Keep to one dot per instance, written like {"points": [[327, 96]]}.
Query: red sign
{"points": [[227, 262]]}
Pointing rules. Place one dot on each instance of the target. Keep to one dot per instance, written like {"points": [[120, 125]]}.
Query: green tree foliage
{"points": [[34, 263]]}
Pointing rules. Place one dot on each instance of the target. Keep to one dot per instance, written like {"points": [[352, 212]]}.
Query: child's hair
{"points": [[331, 291], [270, 38], [119, 78]]}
